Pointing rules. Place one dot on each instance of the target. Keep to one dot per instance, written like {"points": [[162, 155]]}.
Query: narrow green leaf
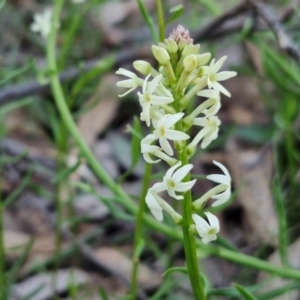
{"points": [[175, 12], [281, 215], [135, 147], [103, 294], [175, 269], [148, 21], [66, 173], [2, 3], [16, 192], [244, 292]]}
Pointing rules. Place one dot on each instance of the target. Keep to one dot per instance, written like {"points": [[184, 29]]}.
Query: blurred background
{"points": [[53, 226]]}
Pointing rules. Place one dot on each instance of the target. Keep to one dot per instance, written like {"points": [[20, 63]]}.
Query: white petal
{"points": [[217, 86], [218, 178], [155, 208], [209, 238], [146, 112], [185, 186], [213, 221], [172, 119], [201, 224], [153, 84], [225, 75], [127, 73], [157, 188], [144, 89], [217, 66], [172, 194], [211, 94], [170, 172], [126, 93], [182, 172], [128, 83], [223, 168], [200, 122], [221, 198], [150, 138], [149, 160], [166, 146], [175, 135], [160, 100]]}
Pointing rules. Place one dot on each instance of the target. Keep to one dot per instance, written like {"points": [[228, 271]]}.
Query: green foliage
{"points": [[175, 12], [244, 292]]}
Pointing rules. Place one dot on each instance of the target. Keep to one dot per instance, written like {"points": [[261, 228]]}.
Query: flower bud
{"points": [[190, 49], [171, 45], [182, 44], [190, 63], [202, 59], [142, 66], [161, 55]]}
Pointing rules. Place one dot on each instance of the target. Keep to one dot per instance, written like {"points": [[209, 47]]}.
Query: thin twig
{"points": [[285, 42]]}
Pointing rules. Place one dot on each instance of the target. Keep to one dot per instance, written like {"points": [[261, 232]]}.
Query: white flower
{"points": [[154, 207], [157, 204], [172, 181], [212, 104], [147, 149], [163, 131], [207, 134], [156, 113], [207, 231], [213, 76], [147, 98], [224, 187], [131, 84], [42, 23]]}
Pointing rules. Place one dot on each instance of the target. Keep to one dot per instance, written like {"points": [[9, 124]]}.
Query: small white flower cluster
{"points": [[42, 23], [164, 98]]}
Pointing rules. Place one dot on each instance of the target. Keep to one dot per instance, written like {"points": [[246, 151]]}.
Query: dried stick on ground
{"points": [[285, 43]]}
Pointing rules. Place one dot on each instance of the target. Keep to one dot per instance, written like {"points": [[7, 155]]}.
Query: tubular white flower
{"points": [[157, 204], [224, 185], [213, 76], [156, 113], [172, 181], [163, 131], [211, 105], [42, 23], [131, 84], [207, 134], [147, 149], [207, 230], [147, 98]]}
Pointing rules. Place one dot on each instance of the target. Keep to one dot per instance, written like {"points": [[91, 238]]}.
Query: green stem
{"points": [[3, 281], [161, 21], [128, 203], [189, 240], [138, 231]]}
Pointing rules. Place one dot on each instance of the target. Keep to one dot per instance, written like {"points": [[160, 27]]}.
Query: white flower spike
{"points": [[42, 23], [148, 98], [225, 185], [131, 84], [213, 76], [207, 230], [164, 132], [172, 181]]}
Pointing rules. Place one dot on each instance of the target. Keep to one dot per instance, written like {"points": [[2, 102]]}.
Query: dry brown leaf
{"points": [[96, 120], [253, 169], [120, 264]]}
